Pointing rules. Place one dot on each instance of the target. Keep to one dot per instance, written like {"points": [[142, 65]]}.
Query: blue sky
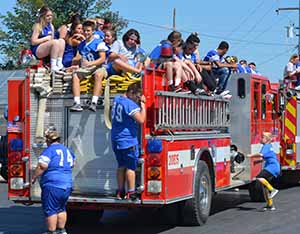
{"points": [[253, 29]]}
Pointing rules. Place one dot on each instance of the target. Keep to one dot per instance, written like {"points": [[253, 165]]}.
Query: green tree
{"points": [[18, 23]]}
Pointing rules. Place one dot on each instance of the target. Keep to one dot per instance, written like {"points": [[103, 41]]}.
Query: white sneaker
{"points": [[225, 92], [297, 87], [227, 96], [273, 193]]}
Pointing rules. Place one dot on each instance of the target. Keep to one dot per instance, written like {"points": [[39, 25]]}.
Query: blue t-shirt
{"points": [[271, 161], [155, 53], [60, 161], [213, 56], [90, 50], [124, 128]]}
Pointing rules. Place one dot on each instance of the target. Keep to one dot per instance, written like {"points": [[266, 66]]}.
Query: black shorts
{"points": [[265, 174]]}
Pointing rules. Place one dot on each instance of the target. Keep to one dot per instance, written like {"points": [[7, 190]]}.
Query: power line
{"points": [[210, 35], [245, 19], [277, 55]]}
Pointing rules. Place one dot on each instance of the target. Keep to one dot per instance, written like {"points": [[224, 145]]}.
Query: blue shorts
{"points": [[110, 70], [127, 158], [54, 200], [33, 49]]}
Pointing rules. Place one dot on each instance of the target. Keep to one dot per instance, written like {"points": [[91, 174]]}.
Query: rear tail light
{"points": [[289, 148], [16, 170], [154, 173], [154, 160]]}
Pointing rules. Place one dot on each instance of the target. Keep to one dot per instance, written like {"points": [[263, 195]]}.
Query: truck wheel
{"points": [[4, 172], [256, 192], [195, 211]]}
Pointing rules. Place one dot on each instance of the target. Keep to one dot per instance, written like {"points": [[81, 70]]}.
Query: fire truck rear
{"points": [[190, 146]]}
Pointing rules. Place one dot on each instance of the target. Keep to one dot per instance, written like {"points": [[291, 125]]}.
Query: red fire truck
{"points": [[190, 146]]}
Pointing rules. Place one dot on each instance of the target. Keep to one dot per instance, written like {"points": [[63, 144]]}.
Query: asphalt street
{"points": [[232, 212]]}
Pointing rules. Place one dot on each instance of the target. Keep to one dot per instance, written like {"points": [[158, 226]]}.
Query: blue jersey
{"points": [[90, 50], [242, 69], [124, 128], [192, 57], [99, 35], [60, 161], [213, 56], [271, 161], [69, 53], [46, 31]]}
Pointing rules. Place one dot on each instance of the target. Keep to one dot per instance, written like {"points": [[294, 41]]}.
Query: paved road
{"points": [[232, 213]]}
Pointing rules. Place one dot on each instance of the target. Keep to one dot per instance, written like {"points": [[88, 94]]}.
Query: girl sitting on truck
{"points": [[43, 43]]}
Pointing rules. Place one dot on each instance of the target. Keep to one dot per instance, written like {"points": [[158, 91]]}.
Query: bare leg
{"points": [[169, 72], [198, 77], [61, 220], [51, 222], [178, 72], [76, 85], [45, 49], [120, 66], [61, 47], [121, 178], [130, 176], [98, 84]]}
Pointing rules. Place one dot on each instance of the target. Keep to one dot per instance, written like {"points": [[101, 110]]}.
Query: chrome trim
{"points": [[173, 200], [244, 182], [102, 200], [18, 198], [154, 202], [190, 137], [141, 188]]}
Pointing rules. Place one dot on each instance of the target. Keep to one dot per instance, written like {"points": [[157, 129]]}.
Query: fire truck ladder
{"points": [[182, 112]]}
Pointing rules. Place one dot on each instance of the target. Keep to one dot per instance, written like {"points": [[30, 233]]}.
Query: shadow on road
{"points": [[21, 220]]}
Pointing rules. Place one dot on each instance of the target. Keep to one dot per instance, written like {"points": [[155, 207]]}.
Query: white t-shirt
{"points": [[290, 67]]}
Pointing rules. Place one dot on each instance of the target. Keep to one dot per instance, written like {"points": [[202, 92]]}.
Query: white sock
{"points": [[53, 63], [170, 82], [59, 63], [177, 82], [95, 99], [77, 100]]}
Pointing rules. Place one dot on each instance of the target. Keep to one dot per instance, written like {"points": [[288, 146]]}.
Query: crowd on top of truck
{"points": [[91, 47]]}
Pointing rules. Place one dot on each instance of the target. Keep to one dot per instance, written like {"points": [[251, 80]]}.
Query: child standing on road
{"points": [[270, 171]]}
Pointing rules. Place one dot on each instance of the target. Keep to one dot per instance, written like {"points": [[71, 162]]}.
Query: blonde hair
{"points": [[41, 23], [268, 136], [293, 57]]}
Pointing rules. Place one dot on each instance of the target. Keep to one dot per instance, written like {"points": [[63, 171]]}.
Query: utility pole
{"points": [[293, 9], [174, 19]]}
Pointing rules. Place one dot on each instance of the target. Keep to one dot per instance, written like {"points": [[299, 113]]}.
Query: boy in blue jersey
{"points": [[128, 111], [221, 67], [270, 171], [92, 53], [55, 168]]}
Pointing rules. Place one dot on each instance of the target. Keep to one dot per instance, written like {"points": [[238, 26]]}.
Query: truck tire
{"points": [[4, 172], [256, 192], [195, 211]]}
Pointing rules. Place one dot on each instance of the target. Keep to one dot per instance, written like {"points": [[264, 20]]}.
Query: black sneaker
{"points": [[131, 196], [120, 195], [171, 87], [93, 107], [76, 107]]}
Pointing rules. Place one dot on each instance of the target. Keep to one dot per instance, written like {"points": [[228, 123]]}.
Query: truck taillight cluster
{"points": [[289, 148], [154, 171]]}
